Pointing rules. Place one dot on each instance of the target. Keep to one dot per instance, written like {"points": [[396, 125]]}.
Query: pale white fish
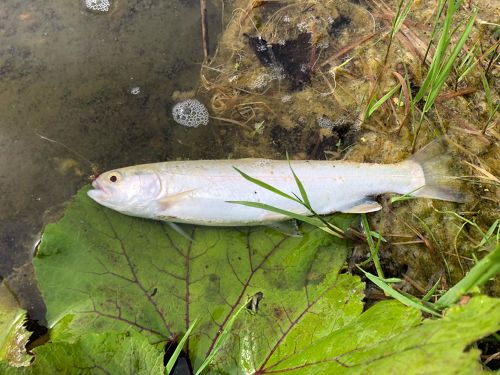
{"points": [[198, 192]]}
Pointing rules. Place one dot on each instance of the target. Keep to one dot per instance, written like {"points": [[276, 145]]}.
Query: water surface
{"points": [[72, 75]]}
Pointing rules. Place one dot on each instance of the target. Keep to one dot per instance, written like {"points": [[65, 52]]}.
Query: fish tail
{"points": [[436, 160]]}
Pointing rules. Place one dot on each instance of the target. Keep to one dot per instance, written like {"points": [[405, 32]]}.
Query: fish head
{"points": [[127, 190]]}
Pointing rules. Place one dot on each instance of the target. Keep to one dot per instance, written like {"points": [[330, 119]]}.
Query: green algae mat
{"points": [[119, 290]]}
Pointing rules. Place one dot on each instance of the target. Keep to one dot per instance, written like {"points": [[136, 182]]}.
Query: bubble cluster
{"points": [[325, 122], [98, 5], [190, 113], [136, 90]]}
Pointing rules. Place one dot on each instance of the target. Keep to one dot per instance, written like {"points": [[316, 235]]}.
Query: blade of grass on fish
{"points": [[373, 249], [306, 219], [178, 349], [403, 298], [222, 338], [325, 226], [266, 186], [484, 270], [303, 193]]}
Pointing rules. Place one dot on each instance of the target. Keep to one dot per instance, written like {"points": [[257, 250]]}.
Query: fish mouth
{"points": [[98, 193]]}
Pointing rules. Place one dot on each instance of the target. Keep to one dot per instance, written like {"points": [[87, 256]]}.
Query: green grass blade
{"points": [[373, 249], [306, 219], [373, 107], [431, 291], [303, 193], [400, 17], [442, 46], [489, 233], [180, 345], [440, 9], [445, 71], [266, 186], [221, 339], [484, 270], [406, 196], [404, 299], [468, 63], [377, 235]]}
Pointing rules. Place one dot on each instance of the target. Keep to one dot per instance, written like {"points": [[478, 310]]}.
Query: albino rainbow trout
{"points": [[198, 192]]}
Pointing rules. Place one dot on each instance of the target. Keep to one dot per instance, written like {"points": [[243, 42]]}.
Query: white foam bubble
{"points": [[190, 113]]}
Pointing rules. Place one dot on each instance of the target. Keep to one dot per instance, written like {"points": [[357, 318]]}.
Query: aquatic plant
{"points": [[191, 113]]}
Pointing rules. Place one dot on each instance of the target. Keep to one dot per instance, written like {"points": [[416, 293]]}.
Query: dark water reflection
{"points": [[67, 74]]}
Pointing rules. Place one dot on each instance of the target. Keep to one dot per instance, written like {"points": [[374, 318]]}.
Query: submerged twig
{"points": [[234, 122], [453, 94], [348, 48], [204, 28]]}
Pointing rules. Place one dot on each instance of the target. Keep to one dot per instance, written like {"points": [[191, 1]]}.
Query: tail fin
{"points": [[440, 183]]}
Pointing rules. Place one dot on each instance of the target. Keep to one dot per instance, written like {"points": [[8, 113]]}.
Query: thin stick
{"points": [[204, 28], [234, 122], [406, 94], [67, 148], [344, 50], [453, 94]]}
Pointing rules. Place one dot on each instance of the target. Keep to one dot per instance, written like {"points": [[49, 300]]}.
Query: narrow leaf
{"points": [[406, 300], [178, 349], [266, 186]]}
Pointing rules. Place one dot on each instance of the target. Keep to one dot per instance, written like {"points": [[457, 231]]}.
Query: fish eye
{"points": [[114, 176]]}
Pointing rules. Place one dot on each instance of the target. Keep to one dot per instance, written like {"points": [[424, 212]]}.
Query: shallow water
{"points": [[67, 74]]}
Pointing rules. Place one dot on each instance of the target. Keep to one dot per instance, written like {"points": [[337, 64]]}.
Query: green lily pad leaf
{"points": [[100, 270], [13, 334], [93, 353]]}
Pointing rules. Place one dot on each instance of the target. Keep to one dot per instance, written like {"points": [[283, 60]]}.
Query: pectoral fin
{"points": [[289, 228], [363, 207], [170, 200], [179, 230]]}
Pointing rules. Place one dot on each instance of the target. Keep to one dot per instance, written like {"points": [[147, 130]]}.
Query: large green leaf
{"points": [[100, 271], [391, 339], [13, 334], [96, 353], [109, 271]]}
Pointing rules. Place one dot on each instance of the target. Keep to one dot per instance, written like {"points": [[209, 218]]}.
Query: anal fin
{"points": [[363, 207]]}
